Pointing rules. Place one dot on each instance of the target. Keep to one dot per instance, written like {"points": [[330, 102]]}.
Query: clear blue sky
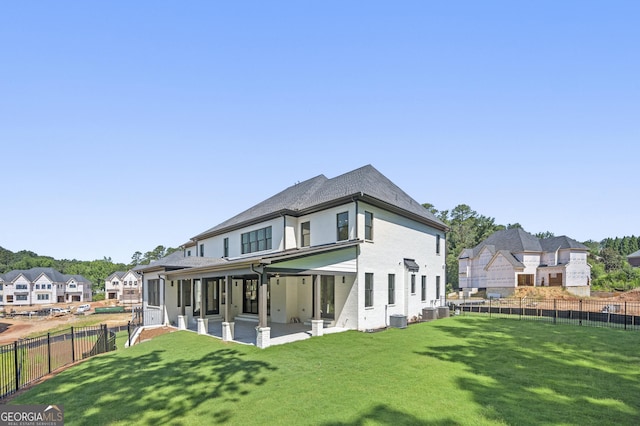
{"points": [[125, 125]]}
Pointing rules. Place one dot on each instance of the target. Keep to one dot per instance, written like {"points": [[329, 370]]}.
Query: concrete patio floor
{"points": [[245, 331]]}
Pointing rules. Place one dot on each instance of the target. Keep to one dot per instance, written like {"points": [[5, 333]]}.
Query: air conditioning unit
{"points": [[398, 321]]}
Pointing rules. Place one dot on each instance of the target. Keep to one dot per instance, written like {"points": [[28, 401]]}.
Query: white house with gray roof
{"points": [[42, 286], [348, 252], [124, 287], [514, 258]]}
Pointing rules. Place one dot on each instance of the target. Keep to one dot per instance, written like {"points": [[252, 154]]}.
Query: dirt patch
{"points": [[544, 293], [12, 329], [150, 333]]}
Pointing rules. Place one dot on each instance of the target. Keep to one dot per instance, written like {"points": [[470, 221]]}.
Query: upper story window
{"points": [[225, 247], [257, 240], [437, 243], [368, 226], [201, 250], [305, 234], [21, 287], [343, 226]]}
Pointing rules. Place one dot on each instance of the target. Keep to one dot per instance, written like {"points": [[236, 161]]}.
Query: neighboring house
{"points": [[41, 286], [634, 259], [514, 258], [124, 287], [350, 252]]}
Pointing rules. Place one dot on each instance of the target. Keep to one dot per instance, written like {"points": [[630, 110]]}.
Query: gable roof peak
{"points": [[319, 191]]}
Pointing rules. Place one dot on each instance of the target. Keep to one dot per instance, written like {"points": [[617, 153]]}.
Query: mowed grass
{"points": [[456, 371]]}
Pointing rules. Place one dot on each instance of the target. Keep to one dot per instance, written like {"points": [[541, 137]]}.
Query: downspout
{"points": [[355, 200], [162, 292], [284, 231]]}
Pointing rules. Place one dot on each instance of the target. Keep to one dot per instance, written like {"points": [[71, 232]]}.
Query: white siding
{"points": [[394, 239], [500, 274]]}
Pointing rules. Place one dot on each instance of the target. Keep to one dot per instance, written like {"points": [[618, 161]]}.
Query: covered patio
{"points": [[245, 332], [263, 301]]}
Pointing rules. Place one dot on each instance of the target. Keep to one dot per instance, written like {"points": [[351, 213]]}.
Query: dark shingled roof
{"points": [[33, 274], [318, 191], [517, 241], [120, 275], [634, 254], [514, 240], [178, 260], [562, 242]]}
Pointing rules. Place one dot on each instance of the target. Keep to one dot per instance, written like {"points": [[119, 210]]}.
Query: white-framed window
{"points": [[305, 234], [256, 240], [392, 289], [342, 220], [368, 289], [154, 292], [368, 225]]}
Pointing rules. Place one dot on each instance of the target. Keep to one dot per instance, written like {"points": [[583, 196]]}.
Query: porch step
{"points": [[247, 317]]}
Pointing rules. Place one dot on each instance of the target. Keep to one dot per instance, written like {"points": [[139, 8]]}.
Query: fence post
{"points": [[580, 307], [520, 308], [625, 314], [555, 311], [49, 351], [15, 359], [73, 346], [104, 333], [129, 332], [490, 307]]}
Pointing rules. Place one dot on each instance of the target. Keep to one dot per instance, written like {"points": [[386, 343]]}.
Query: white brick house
{"points": [[124, 287], [514, 258], [42, 286], [349, 252]]}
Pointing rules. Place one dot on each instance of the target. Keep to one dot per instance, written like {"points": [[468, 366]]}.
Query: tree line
{"points": [[609, 267], [96, 271]]}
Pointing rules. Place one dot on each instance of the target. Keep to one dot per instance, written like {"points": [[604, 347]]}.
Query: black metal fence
{"points": [[27, 360], [593, 313]]}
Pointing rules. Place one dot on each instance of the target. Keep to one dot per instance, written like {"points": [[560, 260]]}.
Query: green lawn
{"points": [[456, 371]]}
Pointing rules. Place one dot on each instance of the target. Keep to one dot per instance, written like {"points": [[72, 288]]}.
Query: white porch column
{"points": [[203, 325], [182, 322], [227, 331], [317, 327], [228, 327], [317, 324], [263, 337]]}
